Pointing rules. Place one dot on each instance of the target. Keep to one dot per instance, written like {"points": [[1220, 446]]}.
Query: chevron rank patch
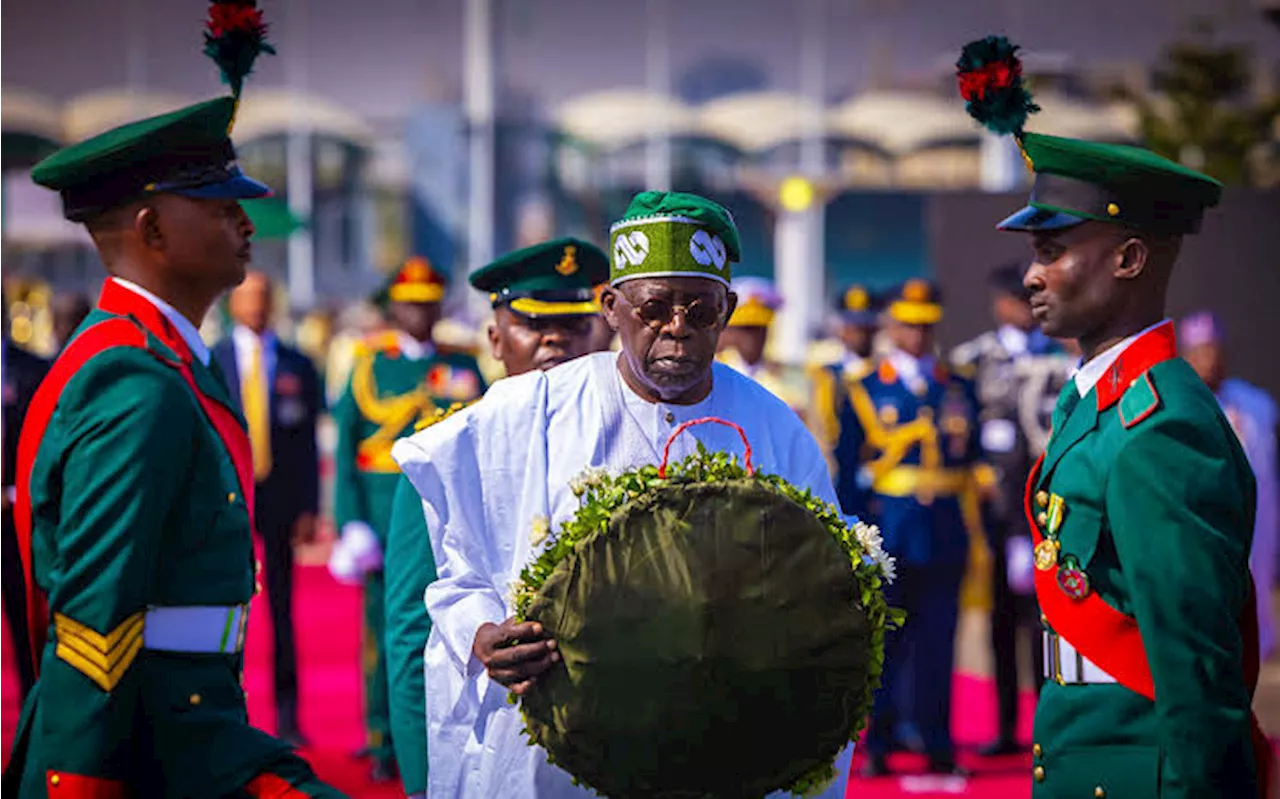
{"points": [[102, 658]]}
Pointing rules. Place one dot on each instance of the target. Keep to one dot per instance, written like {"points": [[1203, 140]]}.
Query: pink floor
{"points": [[328, 619]]}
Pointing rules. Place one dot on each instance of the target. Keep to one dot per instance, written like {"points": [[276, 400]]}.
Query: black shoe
{"points": [[875, 766], [384, 770], [1000, 747], [946, 766]]}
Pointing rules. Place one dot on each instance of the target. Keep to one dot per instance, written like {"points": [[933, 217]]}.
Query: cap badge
{"points": [[568, 264]]}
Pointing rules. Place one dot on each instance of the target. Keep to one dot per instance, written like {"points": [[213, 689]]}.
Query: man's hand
{"points": [[515, 654], [304, 529]]}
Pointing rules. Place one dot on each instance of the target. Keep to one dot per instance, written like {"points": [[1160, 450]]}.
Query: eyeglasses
{"points": [[658, 313]]}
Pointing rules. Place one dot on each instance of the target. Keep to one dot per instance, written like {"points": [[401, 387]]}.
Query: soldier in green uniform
{"points": [[135, 490], [399, 377], [544, 310], [1142, 506]]}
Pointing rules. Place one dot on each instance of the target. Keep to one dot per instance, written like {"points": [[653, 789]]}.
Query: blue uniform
{"points": [[906, 454]]}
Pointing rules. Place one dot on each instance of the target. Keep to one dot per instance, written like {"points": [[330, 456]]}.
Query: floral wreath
{"points": [[603, 496]]}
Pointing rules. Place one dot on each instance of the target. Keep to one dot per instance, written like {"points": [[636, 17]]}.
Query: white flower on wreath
{"points": [[588, 479], [868, 536], [541, 528]]}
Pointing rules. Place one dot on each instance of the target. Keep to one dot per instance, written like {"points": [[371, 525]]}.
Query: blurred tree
{"points": [[1204, 115]]}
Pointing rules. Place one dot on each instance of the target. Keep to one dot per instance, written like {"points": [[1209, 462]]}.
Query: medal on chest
{"points": [[1071, 579]]}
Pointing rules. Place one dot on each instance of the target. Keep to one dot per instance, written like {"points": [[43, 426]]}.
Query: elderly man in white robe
{"points": [[496, 476]]}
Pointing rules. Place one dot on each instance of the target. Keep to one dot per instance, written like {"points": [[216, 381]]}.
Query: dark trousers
{"points": [[277, 545], [1011, 613], [14, 587], [920, 654]]}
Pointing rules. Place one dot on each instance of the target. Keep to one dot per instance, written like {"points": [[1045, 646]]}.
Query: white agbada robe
{"points": [[486, 473]]}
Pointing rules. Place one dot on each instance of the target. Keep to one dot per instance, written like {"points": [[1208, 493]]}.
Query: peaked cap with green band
{"points": [[552, 278], [187, 151], [673, 234], [1077, 180]]}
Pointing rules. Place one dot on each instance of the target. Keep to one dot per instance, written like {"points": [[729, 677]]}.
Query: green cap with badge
{"points": [[553, 278], [673, 234], [187, 151], [1076, 180]]}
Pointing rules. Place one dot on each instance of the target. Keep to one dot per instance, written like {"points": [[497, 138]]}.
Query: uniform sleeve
{"points": [[123, 443], [349, 502], [848, 456], [409, 567], [1180, 512]]}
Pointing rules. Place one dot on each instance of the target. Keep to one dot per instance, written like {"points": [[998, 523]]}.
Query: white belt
{"points": [[210, 629], [1064, 664]]}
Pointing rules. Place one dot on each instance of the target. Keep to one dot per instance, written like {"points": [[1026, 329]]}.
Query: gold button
{"points": [[1038, 773], [1100, 792], [195, 699], [257, 566], [1037, 750], [1042, 498], [257, 587], [1042, 518], [231, 498], [1113, 209], [54, 779], [1044, 619]]}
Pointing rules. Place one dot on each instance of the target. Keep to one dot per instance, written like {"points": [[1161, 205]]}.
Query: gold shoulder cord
{"points": [[392, 415], [896, 441]]}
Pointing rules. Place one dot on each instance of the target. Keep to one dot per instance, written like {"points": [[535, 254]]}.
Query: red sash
{"points": [[117, 332]]}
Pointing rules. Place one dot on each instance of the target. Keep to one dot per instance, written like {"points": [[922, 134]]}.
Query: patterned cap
{"points": [[671, 234]]}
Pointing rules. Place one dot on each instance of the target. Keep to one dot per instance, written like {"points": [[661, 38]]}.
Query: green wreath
{"points": [[721, 632]]}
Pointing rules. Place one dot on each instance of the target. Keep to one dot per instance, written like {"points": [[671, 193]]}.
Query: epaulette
{"points": [[441, 414], [383, 341], [1139, 401], [886, 372]]}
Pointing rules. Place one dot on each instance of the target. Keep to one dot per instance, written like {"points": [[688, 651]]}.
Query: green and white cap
{"points": [[671, 234]]}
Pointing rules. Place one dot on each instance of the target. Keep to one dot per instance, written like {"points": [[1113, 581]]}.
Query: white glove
{"points": [[355, 554], [1021, 568]]}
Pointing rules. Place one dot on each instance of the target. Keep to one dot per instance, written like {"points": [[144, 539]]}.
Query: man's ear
{"points": [[495, 341], [1134, 255], [609, 307], [146, 223], [732, 304]]}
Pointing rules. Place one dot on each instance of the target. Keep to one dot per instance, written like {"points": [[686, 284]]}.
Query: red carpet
{"points": [[328, 620]]}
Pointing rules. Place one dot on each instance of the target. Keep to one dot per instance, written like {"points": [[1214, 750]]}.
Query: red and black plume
{"points": [[989, 74], [234, 37]]}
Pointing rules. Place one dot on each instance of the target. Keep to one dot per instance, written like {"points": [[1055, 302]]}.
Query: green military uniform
{"points": [[135, 513], [552, 279], [395, 382], [1142, 513]]}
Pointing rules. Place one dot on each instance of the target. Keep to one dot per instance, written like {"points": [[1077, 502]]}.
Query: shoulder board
{"points": [[886, 372], [859, 372], [386, 341], [441, 414], [1139, 401]]}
